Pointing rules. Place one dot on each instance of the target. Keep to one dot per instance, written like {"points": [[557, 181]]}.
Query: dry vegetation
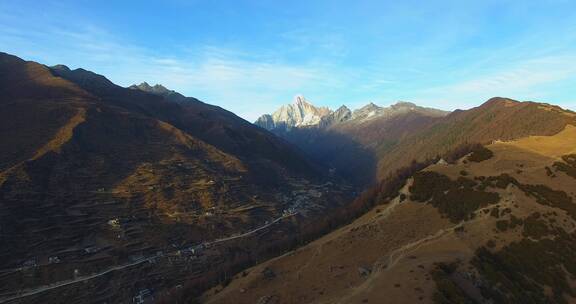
{"points": [[495, 233], [93, 175]]}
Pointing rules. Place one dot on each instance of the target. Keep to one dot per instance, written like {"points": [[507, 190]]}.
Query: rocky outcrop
{"points": [[349, 141], [160, 90], [341, 115], [266, 121], [301, 113], [367, 111]]}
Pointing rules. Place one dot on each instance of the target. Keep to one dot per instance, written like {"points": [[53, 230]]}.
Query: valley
{"points": [[143, 195], [119, 187], [442, 255], [301, 152]]}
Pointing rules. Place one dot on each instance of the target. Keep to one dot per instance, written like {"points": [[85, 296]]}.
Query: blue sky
{"points": [[252, 56]]}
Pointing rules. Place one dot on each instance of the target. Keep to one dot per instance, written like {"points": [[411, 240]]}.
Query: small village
{"points": [[96, 260]]}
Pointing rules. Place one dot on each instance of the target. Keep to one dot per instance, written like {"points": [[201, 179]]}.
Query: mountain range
{"points": [[347, 141], [113, 194], [95, 175], [494, 226], [372, 142], [301, 113]]}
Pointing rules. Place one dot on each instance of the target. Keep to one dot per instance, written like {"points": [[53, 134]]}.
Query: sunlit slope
{"points": [[497, 119], [78, 151], [500, 228]]}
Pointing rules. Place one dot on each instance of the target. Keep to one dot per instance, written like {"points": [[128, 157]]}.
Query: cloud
{"points": [[524, 76], [329, 65], [525, 80], [246, 85]]}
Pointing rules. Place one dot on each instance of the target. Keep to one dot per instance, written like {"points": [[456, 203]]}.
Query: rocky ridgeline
{"points": [[301, 113]]}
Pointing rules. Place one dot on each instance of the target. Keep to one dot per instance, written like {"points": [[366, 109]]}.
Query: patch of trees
{"points": [[549, 197], [456, 200], [462, 150], [520, 272], [543, 194], [568, 166], [480, 153], [501, 181], [447, 291], [387, 189], [535, 227], [390, 186]]}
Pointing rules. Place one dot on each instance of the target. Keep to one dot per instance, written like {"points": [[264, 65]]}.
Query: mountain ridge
{"points": [[346, 140], [302, 113], [495, 225], [94, 175]]}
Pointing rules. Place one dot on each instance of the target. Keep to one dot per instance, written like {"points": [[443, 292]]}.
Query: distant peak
{"points": [[370, 106], [61, 67], [501, 100], [300, 99], [342, 108], [160, 87], [404, 104], [143, 86], [156, 89]]}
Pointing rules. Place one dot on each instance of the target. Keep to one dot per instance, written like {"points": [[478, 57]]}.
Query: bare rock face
{"points": [[265, 121], [341, 115], [161, 90], [302, 114], [367, 111], [298, 114], [348, 141], [372, 111]]}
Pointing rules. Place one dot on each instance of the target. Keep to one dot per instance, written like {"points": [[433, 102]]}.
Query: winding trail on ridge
{"points": [[398, 254]]}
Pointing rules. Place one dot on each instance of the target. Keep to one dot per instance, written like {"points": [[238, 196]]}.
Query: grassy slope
{"points": [[391, 254], [497, 119]]}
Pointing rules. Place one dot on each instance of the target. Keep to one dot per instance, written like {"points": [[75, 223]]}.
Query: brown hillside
{"points": [[212, 124], [95, 176], [440, 242], [350, 147], [497, 119]]}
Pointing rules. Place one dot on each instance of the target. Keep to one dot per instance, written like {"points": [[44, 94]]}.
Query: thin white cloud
{"points": [[251, 83], [526, 80], [229, 78], [524, 76]]}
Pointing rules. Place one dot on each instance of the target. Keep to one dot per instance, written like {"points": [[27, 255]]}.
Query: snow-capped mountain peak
{"points": [[302, 113], [297, 114]]}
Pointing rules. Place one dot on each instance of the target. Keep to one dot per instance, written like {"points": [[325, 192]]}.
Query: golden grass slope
{"points": [[552, 146], [389, 254], [63, 135]]}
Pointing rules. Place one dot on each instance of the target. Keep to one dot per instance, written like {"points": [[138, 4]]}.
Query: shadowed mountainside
{"points": [[375, 142], [93, 175], [348, 141], [212, 124]]}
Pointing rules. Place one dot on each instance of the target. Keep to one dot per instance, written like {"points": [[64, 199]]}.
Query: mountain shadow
{"points": [[341, 153]]}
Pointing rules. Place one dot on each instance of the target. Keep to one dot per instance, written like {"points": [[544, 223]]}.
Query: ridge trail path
{"points": [[398, 254], [395, 256], [56, 285]]}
